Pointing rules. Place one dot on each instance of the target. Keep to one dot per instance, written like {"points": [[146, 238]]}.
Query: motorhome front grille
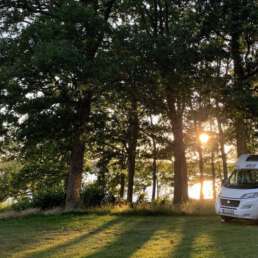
{"points": [[229, 203]]}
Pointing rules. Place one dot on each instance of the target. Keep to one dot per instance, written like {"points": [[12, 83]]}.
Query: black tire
{"points": [[226, 219]]}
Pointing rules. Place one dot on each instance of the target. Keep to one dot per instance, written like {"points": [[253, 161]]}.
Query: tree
{"points": [[237, 26], [174, 31], [53, 67]]}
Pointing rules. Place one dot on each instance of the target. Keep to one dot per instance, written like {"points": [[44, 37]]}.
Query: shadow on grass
{"points": [[131, 239], [190, 231], [238, 238], [127, 236], [18, 235], [132, 234], [49, 252], [217, 239]]}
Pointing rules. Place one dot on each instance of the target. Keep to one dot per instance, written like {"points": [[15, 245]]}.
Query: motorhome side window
{"points": [[244, 178]]}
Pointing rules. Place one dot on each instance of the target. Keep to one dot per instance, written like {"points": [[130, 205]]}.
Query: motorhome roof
{"points": [[247, 161]]}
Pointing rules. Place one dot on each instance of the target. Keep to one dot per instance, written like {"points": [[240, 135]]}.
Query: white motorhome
{"points": [[238, 197]]}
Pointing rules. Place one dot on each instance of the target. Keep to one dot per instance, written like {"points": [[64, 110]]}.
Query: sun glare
{"points": [[194, 190], [204, 138]]}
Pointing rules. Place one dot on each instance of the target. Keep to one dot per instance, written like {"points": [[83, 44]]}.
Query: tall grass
{"points": [[191, 208]]}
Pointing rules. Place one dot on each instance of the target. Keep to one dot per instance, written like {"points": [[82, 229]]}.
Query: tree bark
{"points": [[213, 170], [180, 178], [122, 186], [102, 166], [240, 127], [219, 172], [213, 175], [133, 130], [158, 187], [154, 171], [199, 149], [77, 155], [200, 154], [241, 136], [75, 176], [83, 110], [222, 149], [175, 115]]}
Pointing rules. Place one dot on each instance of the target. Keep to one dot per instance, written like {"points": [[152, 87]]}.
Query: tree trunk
{"points": [[240, 127], [102, 166], [84, 105], [158, 187], [241, 136], [77, 155], [75, 176], [180, 178], [133, 130], [131, 172], [213, 175], [154, 171], [201, 170], [219, 172], [122, 186], [175, 115], [222, 149], [200, 154]]}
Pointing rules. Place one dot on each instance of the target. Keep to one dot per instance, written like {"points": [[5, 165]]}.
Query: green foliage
{"points": [[135, 59], [44, 200], [92, 195], [42, 169], [23, 204], [8, 171], [49, 199]]}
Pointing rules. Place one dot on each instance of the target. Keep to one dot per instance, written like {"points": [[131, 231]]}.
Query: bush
{"points": [[93, 196], [43, 200], [23, 204], [49, 200]]}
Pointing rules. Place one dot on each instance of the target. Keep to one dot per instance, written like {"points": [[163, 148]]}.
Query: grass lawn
{"points": [[99, 236]]}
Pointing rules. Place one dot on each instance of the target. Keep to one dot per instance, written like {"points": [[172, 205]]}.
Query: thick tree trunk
{"points": [[122, 186], [180, 177], [175, 115], [131, 172], [222, 149], [75, 176], [84, 104], [240, 127], [77, 155], [154, 171], [133, 130], [241, 136]]}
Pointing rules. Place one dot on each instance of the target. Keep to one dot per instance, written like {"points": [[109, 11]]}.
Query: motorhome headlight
{"points": [[249, 195]]}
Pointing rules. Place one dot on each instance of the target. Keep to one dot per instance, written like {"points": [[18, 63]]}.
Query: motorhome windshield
{"points": [[243, 178]]}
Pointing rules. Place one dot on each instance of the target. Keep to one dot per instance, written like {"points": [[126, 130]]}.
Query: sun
{"points": [[204, 138], [194, 190]]}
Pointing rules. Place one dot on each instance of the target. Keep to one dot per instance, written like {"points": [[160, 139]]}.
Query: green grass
{"points": [[99, 236]]}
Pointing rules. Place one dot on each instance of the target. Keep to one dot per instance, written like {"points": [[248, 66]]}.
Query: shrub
{"points": [[49, 200], [43, 200], [93, 196], [23, 204]]}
